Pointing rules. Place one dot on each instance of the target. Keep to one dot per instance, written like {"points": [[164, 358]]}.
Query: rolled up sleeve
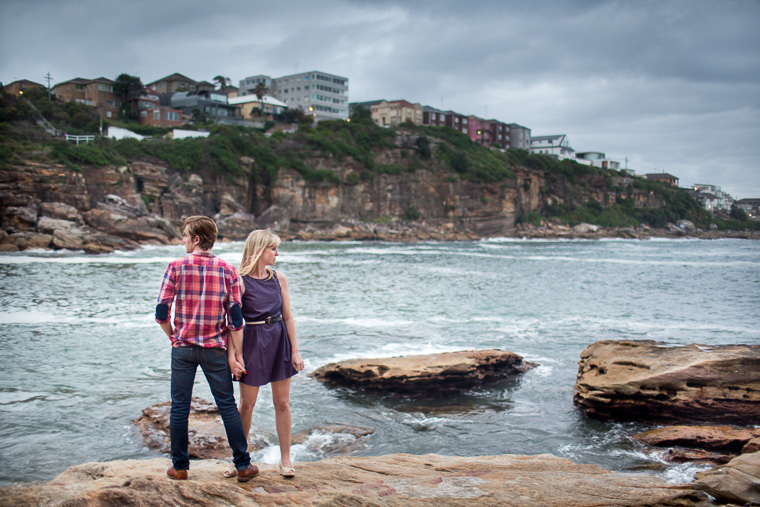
{"points": [[165, 296]]}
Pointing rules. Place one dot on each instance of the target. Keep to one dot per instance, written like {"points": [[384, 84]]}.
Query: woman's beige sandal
{"points": [[287, 471], [230, 472]]}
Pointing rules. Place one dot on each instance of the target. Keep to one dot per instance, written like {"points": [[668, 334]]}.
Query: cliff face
{"points": [[145, 200]]}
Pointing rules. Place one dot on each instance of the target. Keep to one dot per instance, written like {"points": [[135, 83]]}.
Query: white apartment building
{"points": [[556, 146], [598, 159], [323, 95], [712, 197]]}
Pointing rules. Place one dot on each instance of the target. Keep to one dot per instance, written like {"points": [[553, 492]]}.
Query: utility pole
{"points": [[49, 78]]}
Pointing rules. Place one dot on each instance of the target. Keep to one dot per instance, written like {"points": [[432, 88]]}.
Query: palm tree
{"points": [[260, 90], [222, 81]]}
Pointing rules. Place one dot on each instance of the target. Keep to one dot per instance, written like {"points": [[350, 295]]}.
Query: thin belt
{"points": [[268, 320]]}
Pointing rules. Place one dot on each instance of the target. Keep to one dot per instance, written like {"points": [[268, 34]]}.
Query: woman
{"points": [[270, 350]]}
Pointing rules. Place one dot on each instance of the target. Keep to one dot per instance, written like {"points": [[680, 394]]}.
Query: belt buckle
{"points": [[269, 320]]}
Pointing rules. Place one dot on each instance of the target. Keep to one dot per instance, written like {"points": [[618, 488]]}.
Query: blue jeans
{"points": [[213, 362]]}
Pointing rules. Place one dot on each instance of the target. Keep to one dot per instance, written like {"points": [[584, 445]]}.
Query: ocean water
{"points": [[81, 355]]}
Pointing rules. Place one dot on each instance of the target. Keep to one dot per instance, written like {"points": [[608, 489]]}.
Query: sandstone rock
{"points": [[206, 435], [275, 218], [60, 211], [236, 226], [398, 480], [228, 205], [714, 438], [29, 240], [696, 456], [585, 228], [124, 225], [641, 380], [207, 438], [738, 481], [426, 375], [751, 446], [19, 219]]}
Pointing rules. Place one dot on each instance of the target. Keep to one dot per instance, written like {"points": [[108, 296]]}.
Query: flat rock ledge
{"points": [[395, 480], [425, 375], [650, 382]]}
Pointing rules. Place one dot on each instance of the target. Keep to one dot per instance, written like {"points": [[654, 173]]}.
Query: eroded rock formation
{"points": [[425, 375], [737, 482], [646, 381], [207, 439], [705, 444], [397, 480]]}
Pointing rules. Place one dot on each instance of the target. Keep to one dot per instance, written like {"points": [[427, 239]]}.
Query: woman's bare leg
{"points": [[281, 398], [248, 396]]}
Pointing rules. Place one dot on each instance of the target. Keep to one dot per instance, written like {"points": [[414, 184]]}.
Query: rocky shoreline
{"points": [[115, 225], [614, 378]]}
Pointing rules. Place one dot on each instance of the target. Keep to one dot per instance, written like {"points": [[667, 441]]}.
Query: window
{"points": [[79, 87], [143, 114], [105, 88], [156, 114]]}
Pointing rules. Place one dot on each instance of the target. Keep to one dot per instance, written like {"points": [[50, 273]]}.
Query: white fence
{"points": [[80, 139]]}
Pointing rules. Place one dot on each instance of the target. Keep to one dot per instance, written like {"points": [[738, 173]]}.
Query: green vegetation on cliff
{"points": [[348, 153]]}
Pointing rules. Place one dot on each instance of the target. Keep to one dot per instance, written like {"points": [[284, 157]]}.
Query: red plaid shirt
{"points": [[205, 287]]}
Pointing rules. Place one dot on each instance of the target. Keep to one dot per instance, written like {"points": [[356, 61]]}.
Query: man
{"points": [[207, 292]]}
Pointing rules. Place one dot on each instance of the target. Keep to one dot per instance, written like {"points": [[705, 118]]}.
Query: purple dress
{"points": [[266, 347]]}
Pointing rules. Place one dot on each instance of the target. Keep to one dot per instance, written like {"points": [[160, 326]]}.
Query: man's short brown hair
{"points": [[204, 228]]}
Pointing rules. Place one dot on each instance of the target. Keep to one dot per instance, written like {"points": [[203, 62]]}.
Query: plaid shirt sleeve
{"points": [[234, 298], [167, 291]]}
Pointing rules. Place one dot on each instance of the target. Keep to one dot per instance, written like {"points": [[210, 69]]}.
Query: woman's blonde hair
{"points": [[255, 244]]}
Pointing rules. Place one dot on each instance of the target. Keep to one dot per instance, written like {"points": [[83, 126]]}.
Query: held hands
{"points": [[237, 366], [297, 361]]}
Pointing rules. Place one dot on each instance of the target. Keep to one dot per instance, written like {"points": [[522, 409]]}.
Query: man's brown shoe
{"points": [[247, 474], [177, 475]]}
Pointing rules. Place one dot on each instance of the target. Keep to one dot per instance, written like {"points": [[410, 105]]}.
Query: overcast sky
{"points": [[673, 86]]}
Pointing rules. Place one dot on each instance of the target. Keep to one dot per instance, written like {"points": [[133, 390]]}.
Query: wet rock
{"points": [[696, 456], [713, 438], [333, 439], [736, 482], [645, 381], [206, 436], [382, 481], [426, 375]]}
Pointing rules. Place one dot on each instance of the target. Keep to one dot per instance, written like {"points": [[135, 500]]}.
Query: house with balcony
{"points": [[751, 207], [98, 93], [212, 104], [598, 159], [556, 146], [151, 112], [173, 83], [438, 118], [711, 197], [253, 108], [396, 112]]}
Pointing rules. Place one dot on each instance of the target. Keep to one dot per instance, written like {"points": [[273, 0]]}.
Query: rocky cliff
{"points": [[388, 192]]}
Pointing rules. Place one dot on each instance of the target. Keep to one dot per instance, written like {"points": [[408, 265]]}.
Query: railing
{"points": [[78, 139], [42, 122]]}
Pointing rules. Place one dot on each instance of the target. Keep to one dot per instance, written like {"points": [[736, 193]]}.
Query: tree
{"points": [[361, 114], [260, 90], [222, 81], [128, 88]]}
